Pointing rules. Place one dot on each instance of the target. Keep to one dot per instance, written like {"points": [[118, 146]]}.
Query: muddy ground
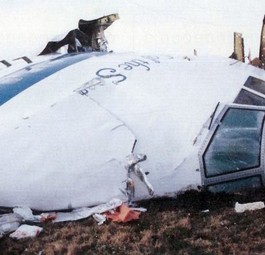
{"points": [[170, 226]]}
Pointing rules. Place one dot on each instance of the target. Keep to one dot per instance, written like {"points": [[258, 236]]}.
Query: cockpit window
{"points": [[246, 97], [255, 84], [236, 143], [253, 182]]}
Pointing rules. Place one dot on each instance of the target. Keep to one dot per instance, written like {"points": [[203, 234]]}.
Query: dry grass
{"points": [[170, 226]]}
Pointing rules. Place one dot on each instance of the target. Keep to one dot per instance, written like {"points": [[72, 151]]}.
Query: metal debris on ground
{"points": [[83, 213], [240, 208], [25, 231], [9, 223], [99, 218]]}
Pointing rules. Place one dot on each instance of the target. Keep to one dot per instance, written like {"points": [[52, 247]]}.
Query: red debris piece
{"points": [[123, 214]]}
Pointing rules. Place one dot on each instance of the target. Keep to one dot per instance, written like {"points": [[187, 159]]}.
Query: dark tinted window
{"points": [[255, 84], [245, 97]]}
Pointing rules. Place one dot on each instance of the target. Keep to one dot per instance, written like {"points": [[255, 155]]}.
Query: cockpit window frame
{"points": [[255, 84], [256, 171], [252, 92], [249, 97]]}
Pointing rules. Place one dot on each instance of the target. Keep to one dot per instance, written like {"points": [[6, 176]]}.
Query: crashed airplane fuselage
{"points": [[74, 126]]}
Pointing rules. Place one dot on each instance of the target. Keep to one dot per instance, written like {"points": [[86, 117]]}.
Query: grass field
{"points": [[170, 226]]}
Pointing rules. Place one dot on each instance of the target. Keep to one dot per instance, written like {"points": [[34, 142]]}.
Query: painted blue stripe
{"points": [[15, 83]]}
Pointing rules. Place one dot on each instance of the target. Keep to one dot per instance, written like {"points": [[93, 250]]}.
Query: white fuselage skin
{"points": [[65, 139]]}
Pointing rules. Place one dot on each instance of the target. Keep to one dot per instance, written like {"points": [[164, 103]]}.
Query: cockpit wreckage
{"points": [[87, 38], [74, 125]]}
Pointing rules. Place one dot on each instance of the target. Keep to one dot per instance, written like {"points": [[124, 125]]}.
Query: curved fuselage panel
{"points": [[68, 124]]}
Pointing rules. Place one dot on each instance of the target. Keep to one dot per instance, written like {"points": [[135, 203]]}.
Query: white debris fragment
{"points": [[99, 218], [240, 208], [9, 222], [206, 211], [139, 209], [85, 212], [25, 231], [25, 213]]}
